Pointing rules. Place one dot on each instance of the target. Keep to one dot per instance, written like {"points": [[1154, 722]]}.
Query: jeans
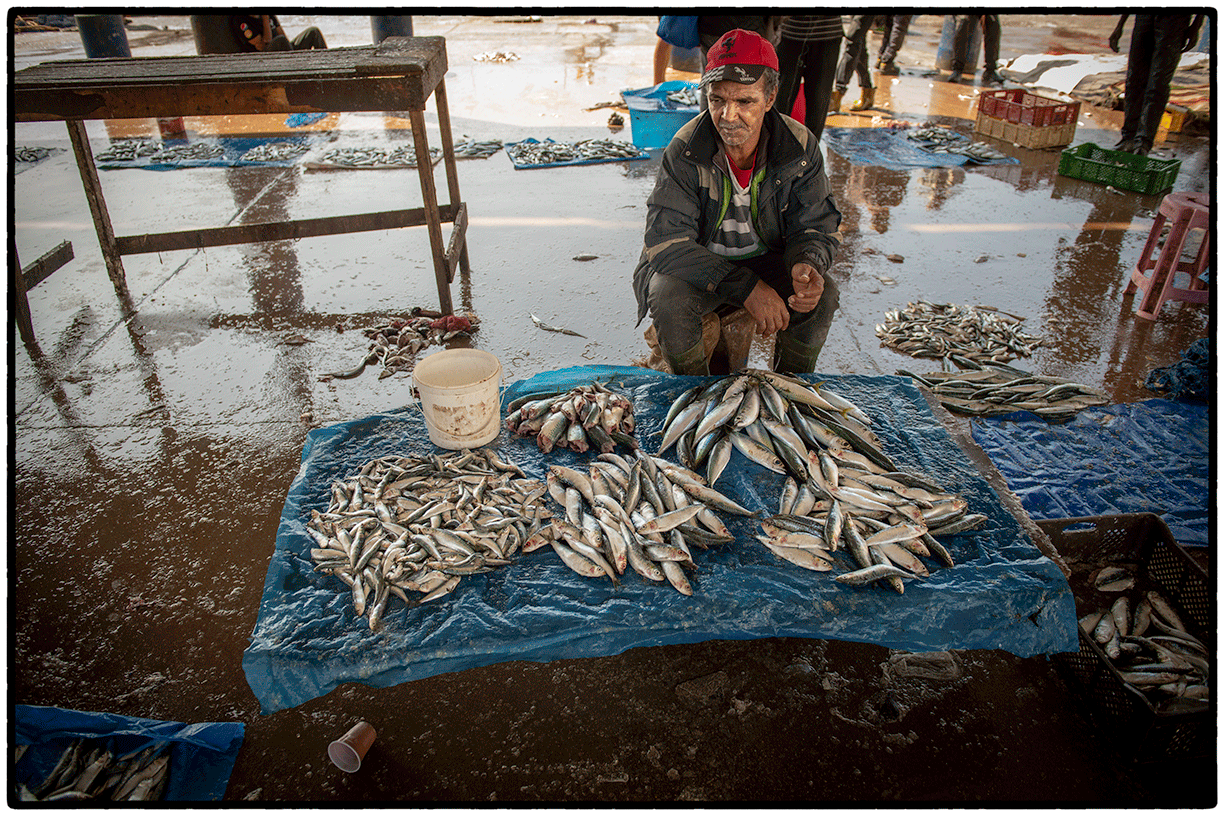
{"points": [[854, 58], [991, 33], [895, 28]]}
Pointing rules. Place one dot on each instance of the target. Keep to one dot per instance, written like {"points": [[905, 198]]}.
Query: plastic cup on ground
{"points": [[348, 751]]}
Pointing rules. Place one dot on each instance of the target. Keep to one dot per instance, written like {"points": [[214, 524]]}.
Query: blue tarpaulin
{"points": [[1144, 457], [1001, 594], [888, 147], [202, 755]]}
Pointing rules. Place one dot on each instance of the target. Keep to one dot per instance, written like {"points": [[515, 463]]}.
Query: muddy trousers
{"points": [[896, 26], [677, 307], [308, 40], [1155, 51], [854, 57]]}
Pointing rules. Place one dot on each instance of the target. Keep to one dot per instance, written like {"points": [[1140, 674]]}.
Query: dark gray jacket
{"points": [[794, 211]]}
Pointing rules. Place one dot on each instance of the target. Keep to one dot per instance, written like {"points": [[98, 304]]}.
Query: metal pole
{"points": [[391, 25], [103, 35]]}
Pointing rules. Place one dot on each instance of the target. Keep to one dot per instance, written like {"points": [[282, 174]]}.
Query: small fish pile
{"points": [[774, 420], [840, 486], [403, 156], [394, 344], [31, 154], [1170, 667], [941, 140], [884, 519], [274, 152], [550, 152], [496, 56], [469, 148], [196, 151], [420, 523], [644, 515], [684, 96], [926, 329], [89, 770], [585, 417], [992, 389], [127, 150]]}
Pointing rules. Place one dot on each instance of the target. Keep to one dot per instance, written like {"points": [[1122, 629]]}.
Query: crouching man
{"points": [[741, 214]]}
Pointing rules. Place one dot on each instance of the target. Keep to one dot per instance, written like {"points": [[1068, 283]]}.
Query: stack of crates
{"points": [[1026, 119]]}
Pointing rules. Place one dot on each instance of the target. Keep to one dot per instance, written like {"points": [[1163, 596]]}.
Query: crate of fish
{"points": [[1125, 171], [1026, 119], [656, 113], [1145, 635]]}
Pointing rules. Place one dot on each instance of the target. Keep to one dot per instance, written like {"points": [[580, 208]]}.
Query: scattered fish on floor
{"points": [[395, 344], [89, 770]]}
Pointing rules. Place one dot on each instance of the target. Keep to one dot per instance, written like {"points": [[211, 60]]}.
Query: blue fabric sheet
{"points": [[202, 755], [886, 147], [1145, 457], [1001, 594]]}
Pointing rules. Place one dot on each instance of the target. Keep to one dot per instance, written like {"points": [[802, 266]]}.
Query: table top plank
{"points": [[398, 74]]}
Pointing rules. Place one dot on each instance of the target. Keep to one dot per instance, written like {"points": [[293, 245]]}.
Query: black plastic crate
{"points": [[1141, 542]]}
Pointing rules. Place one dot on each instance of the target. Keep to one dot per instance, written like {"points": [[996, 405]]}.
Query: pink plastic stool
{"points": [[1154, 277]]}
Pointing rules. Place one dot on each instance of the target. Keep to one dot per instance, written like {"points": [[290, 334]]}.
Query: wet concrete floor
{"points": [[151, 455]]}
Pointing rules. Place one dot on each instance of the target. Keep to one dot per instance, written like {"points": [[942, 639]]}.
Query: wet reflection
{"points": [[274, 274], [879, 189], [936, 185]]}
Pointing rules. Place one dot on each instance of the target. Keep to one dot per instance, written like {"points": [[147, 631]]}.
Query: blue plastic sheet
{"points": [[1190, 378], [303, 119], [886, 147], [202, 755], [233, 149], [1001, 594], [1145, 457], [574, 163]]}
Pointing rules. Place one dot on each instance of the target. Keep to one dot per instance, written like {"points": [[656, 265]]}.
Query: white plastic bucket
{"points": [[459, 397]]}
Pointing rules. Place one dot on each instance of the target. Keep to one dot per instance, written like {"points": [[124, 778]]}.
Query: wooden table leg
{"points": [[433, 219], [21, 310], [448, 158], [97, 208]]}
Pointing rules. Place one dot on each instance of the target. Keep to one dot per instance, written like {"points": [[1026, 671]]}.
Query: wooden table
{"points": [[399, 74]]}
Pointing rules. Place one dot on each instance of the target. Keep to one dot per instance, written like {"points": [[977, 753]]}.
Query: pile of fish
{"points": [[196, 151], [274, 152], [403, 156], [394, 344], [418, 524], [645, 514], [31, 154], [585, 417], [127, 150], [992, 389], [935, 139], [684, 96], [89, 770], [496, 56], [469, 148], [840, 486], [1169, 666], [938, 330], [550, 152]]}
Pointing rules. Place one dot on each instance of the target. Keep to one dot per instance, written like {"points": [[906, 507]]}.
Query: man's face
{"points": [[738, 110]]}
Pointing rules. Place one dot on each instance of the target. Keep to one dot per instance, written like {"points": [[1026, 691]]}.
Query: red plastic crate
{"points": [[1020, 106]]}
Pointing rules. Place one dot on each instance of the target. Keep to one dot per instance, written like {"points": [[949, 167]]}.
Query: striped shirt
{"points": [[812, 28], [736, 237]]}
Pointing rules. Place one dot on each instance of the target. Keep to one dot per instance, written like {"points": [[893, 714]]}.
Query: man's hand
{"points": [[767, 308], [809, 286]]}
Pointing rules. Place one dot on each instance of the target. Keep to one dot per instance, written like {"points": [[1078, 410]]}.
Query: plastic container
{"points": [[1141, 542], [1125, 171], [458, 389], [653, 118], [1026, 119]]}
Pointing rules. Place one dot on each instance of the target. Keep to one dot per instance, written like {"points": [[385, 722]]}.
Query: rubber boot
{"points": [[693, 361], [865, 100], [835, 101], [794, 357], [889, 68]]}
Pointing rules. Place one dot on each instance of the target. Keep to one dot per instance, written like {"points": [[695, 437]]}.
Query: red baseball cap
{"points": [[739, 56]]}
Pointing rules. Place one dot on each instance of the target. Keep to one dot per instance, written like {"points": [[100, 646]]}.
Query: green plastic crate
{"points": [[1125, 171]]}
